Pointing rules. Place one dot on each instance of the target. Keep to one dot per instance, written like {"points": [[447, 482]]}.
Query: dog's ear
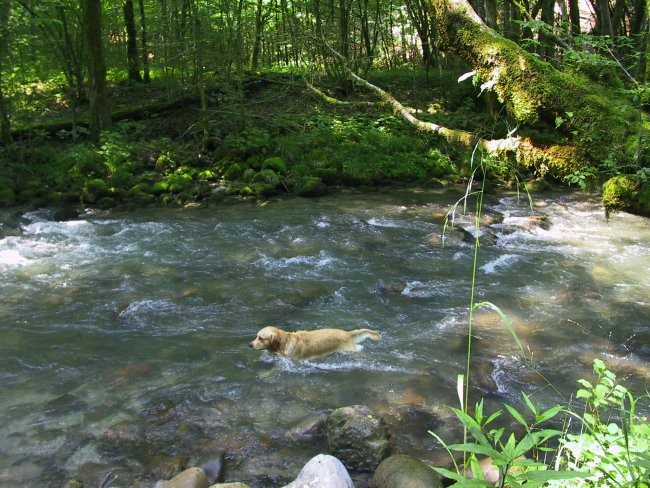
{"points": [[275, 342]]}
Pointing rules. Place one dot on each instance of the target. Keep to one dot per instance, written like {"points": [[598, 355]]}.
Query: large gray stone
{"points": [[401, 471], [358, 437], [322, 471]]}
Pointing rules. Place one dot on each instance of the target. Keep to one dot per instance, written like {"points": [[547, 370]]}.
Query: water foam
{"points": [[505, 261]]}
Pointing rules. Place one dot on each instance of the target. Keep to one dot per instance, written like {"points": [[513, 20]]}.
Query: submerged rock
{"points": [[401, 471], [358, 437], [322, 471], [307, 428], [190, 478]]}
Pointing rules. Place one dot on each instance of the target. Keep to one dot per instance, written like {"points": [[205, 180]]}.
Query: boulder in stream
{"points": [[322, 471], [358, 437], [190, 478], [401, 471]]}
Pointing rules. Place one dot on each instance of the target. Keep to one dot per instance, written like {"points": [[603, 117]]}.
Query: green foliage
{"points": [[610, 448], [613, 443]]}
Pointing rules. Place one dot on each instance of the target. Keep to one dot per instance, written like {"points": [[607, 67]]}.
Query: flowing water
{"points": [[124, 337]]}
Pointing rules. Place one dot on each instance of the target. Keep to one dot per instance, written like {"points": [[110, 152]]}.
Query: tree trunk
{"points": [[257, 37], [604, 17], [574, 16], [5, 126], [131, 42], [100, 117], [145, 50], [593, 124]]}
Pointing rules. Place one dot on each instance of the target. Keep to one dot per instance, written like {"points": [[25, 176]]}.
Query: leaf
{"points": [[548, 414], [583, 394], [476, 449], [505, 320], [448, 474], [554, 475], [586, 384], [516, 415]]}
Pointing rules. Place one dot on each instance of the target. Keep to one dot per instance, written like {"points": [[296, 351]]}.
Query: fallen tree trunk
{"points": [[520, 149], [596, 123]]}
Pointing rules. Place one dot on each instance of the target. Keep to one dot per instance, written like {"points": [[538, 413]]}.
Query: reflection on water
{"points": [[124, 337]]}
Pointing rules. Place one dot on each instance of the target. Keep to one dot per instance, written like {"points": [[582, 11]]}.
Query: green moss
{"points": [[277, 164], [179, 182], [626, 192], [94, 189], [233, 172], [268, 177], [309, 186]]}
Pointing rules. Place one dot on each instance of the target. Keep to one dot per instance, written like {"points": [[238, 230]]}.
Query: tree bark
{"points": [[595, 125], [145, 50], [574, 16], [131, 42], [5, 126], [100, 117]]}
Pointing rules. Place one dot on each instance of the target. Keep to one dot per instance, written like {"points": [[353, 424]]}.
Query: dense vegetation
{"points": [[174, 101]]}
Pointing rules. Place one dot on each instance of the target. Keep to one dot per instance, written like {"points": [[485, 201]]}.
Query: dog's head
{"points": [[267, 338]]}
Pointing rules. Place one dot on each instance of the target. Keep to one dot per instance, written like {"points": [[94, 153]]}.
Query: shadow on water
{"points": [[125, 335]]}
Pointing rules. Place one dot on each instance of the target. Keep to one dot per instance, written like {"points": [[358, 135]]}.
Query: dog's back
{"points": [[321, 342]]}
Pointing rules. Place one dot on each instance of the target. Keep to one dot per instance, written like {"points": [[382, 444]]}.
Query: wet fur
{"points": [[302, 344]]}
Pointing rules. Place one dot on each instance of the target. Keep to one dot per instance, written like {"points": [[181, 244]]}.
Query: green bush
{"points": [[7, 196]]}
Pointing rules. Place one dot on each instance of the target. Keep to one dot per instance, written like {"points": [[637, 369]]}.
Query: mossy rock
{"points": [[267, 176], [626, 192], [310, 186], [276, 164], [539, 184], [94, 189], [256, 190], [233, 172], [106, 202], [179, 182], [619, 192]]}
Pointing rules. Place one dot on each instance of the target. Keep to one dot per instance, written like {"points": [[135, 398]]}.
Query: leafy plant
{"points": [[514, 459], [613, 442]]}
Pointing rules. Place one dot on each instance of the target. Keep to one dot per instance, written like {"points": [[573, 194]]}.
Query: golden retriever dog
{"points": [[308, 344]]}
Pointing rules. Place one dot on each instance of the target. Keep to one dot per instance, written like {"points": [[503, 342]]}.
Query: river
{"points": [[124, 336]]}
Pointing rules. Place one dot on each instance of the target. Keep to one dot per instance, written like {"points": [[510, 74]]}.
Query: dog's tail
{"points": [[361, 335]]}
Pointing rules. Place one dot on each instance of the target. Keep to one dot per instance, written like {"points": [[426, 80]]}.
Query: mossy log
{"points": [[596, 123]]}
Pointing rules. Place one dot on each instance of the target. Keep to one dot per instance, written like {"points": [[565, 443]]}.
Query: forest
{"points": [[173, 101]]}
